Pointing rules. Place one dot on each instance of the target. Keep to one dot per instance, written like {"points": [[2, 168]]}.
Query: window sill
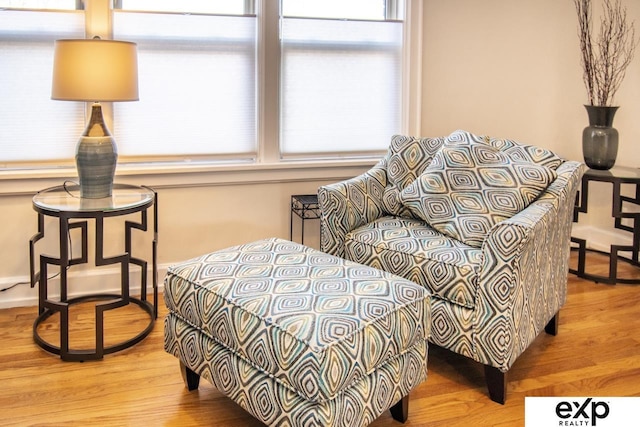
{"points": [[29, 181]]}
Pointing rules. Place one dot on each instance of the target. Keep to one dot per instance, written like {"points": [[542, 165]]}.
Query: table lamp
{"points": [[95, 70]]}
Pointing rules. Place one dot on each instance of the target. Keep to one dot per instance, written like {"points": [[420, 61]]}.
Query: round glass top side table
{"points": [[73, 212], [625, 210]]}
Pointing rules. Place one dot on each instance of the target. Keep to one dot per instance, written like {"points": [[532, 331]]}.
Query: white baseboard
{"points": [[601, 239], [98, 281]]}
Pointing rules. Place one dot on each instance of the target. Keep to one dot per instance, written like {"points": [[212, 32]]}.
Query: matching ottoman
{"points": [[297, 337]]}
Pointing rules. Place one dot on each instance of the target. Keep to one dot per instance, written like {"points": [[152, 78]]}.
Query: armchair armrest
{"points": [[350, 204], [523, 279]]}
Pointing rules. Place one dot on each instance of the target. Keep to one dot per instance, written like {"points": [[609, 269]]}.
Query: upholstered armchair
{"points": [[483, 223]]}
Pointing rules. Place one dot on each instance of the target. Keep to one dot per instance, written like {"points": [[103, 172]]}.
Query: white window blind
{"points": [[32, 126], [219, 7], [337, 9], [197, 83], [41, 4], [341, 85]]}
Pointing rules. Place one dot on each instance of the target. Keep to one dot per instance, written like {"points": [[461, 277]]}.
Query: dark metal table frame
{"points": [[98, 210], [617, 176], [306, 207]]}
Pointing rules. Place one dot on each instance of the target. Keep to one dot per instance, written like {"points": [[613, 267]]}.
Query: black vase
{"points": [[600, 138]]}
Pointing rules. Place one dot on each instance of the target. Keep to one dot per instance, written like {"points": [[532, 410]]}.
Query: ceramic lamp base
{"points": [[96, 158]]}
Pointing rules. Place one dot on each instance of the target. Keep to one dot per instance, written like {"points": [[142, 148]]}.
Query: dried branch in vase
{"points": [[605, 61]]}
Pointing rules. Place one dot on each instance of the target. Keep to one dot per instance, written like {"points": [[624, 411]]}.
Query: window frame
{"points": [[268, 165]]}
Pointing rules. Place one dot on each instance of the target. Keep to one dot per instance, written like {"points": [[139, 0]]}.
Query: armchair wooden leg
{"points": [[400, 411], [190, 378], [497, 383], [552, 326]]}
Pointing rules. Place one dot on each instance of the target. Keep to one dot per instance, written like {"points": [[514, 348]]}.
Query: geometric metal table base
{"points": [[113, 301], [73, 214], [614, 258], [624, 210]]}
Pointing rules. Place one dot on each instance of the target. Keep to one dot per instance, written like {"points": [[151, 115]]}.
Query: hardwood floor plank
{"points": [[596, 353]]}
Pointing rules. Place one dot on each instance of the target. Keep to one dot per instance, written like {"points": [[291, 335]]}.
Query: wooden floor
{"points": [[596, 353]]}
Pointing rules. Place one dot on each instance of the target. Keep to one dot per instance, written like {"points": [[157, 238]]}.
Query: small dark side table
{"points": [[625, 219], [306, 207], [73, 212]]}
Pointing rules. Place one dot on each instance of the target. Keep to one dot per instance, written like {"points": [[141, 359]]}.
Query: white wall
{"points": [[512, 69]]}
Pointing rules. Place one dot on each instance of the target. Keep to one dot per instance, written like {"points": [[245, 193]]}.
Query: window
{"points": [[219, 7], [26, 60], [336, 9], [197, 80], [41, 4], [341, 78], [220, 80]]}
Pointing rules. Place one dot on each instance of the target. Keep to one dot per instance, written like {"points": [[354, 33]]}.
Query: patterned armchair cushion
{"points": [[407, 158], [527, 153], [470, 186], [411, 249]]}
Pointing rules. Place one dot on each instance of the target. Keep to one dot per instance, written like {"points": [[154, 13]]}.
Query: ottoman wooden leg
{"points": [[552, 326], [400, 411], [496, 383], [190, 378]]}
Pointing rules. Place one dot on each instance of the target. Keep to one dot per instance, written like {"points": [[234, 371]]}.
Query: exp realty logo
{"points": [[580, 411], [586, 413]]}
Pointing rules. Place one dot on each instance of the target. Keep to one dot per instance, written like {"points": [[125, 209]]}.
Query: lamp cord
{"points": [[66, 188], [54, 275]]}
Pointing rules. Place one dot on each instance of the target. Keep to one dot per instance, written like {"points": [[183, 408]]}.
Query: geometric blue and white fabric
{"points": [[306, 330], [414, 250], [276, 405], [526, 153], [406, 159], [471, 186], [489, 302]]}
